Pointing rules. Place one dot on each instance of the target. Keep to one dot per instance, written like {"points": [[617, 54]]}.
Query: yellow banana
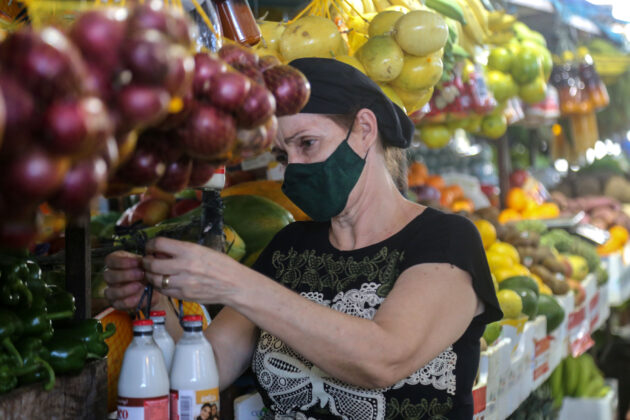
{"points": [[381, 5], [472, 28], [499, 21], [368, 6], [481, 14], [409, 4], [500, 38], [466, 43], [357, 4]]}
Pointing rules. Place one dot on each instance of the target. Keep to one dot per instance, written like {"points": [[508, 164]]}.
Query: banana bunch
{"points": [[476, 31], [579, 378], [500, 25]]}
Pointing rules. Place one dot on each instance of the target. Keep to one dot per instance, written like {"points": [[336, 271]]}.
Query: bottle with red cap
{"points": [[162, 338], [143, 385], [194, 375]]}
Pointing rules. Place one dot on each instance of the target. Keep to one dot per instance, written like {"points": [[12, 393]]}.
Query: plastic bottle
{"points": [[238, 21], [143, 385], [217, 181], [194, 374], [162, 338]]}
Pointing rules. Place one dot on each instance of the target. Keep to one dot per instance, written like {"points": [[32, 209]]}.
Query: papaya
{"points": [[251, 258], [521, 282], [256, 219], [268, 189], [551, 309], [234, 244]]}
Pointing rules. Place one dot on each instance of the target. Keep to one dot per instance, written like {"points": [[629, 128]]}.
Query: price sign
{"points": [[593, 310], [579, 332], [479, 403], [541, 356]]}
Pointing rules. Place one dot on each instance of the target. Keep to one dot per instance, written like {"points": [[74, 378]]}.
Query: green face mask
{"points": [[321, 189]]}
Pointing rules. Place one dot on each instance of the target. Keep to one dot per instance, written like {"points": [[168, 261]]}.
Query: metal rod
{"points": [[79, 264]]}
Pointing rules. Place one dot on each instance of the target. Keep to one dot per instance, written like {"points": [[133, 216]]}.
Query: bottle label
{"points": [[189, 404], [143, 408]]}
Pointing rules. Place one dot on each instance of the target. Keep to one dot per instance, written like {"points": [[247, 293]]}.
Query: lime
{"points": [[534, 91], [511, 303], [493, 126], [435, 136], [500, 59], [526, 65], [500, 84], [530, 301], [492, 332]]}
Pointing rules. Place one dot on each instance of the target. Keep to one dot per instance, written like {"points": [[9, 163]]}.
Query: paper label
{"points": [[593, 310], [479, 401], [541, 356], [143, 408], [579, 332], [189, 405]]}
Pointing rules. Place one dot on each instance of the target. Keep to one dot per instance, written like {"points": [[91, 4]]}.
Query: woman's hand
{"points": [[189, 271], [125, 280]]}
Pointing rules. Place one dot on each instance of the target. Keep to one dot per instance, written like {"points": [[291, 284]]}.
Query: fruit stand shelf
{"points": [[516, 365], [619, 278]]}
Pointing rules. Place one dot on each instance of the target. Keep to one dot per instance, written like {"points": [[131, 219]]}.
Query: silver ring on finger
{"points": [[165, 281]]}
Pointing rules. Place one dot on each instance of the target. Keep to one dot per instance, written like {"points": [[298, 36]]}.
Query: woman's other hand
{"points": [[125, 280], [189, 271]]}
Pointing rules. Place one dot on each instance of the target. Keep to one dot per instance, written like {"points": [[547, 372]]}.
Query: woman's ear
{"points": [[366, 129]]}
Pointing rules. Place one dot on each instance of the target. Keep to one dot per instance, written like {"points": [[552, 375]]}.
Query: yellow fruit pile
{"points": [[520, 206], [383, 45], [503, 258]]}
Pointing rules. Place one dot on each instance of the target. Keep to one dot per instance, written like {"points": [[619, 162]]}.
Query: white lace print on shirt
{"points": [[361, 303], [439, 373], [294, 383]]}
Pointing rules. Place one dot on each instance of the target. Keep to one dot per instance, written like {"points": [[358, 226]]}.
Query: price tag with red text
{"points": [[579, 332], [479, 403], [593, 311], [542, 350]]}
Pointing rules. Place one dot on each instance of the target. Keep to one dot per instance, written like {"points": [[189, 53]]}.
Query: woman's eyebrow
{"points": [[292, 137]]}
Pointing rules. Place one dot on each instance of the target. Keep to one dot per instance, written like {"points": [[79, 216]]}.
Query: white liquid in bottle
{"points": [[143, 387], [194, 375], [162, 338]]}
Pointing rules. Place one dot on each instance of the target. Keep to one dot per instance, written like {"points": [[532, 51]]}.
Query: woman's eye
{"points": [[306, 143]]}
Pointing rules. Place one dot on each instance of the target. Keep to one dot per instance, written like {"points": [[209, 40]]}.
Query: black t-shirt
{"points": [[356, 282]]}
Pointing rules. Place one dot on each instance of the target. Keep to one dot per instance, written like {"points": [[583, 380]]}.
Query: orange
{"points": [[620, 233], [435, 181], [506, 249], [509, 215], [516, 199], [550, 211], [487, 232], [465, 205]]}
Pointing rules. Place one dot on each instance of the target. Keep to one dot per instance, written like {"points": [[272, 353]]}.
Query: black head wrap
{"points": [[339, 88]]}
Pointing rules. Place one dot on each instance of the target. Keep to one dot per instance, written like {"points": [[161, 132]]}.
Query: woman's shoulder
{"points": [[438, 225]]}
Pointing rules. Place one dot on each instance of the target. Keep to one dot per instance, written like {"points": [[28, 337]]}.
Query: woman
{"points": [[204, 414], [372, 311]]}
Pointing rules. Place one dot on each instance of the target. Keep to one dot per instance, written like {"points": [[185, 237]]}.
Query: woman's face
{"points": [[214, 410], [205, 413], [307, 138]]}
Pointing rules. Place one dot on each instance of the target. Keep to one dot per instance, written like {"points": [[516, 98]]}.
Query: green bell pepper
{"points": [[60, 301], [36, 321], [34, 280], [91, 333], [13, 290], [9, 324], [34, 353], [66, 355], [9, 372]]}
